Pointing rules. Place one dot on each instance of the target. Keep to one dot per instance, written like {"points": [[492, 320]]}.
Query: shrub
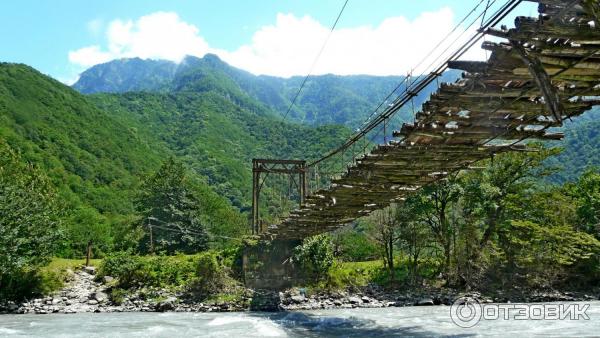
{"points": [[211, 276], [315, 256], [159, 271], [121, 265]]}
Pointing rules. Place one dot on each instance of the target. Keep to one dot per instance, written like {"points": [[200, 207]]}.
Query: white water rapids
{"points": [[385, 322]]}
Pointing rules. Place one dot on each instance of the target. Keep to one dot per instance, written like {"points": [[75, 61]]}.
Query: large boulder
{"points": [[167, 304], [100, 296], [90, 269], [298, 299], [425, 302]]}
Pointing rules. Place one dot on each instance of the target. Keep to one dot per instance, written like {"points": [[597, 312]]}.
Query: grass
{"points": [[359, 274], [354, 273]]}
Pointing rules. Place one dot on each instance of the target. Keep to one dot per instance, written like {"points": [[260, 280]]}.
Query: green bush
{"points": [[121, 265], [158, 271], [211, 276], [315, 256]]}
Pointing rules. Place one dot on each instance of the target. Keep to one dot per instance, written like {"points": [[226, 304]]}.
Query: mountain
{"points": [[325, 99], [100, 145], [218, 137], [95, 162], [581, 147], [97, 149], [127, 75]]}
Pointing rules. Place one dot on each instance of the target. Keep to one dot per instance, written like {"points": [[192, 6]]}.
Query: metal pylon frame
{"points": [[263, 167]]}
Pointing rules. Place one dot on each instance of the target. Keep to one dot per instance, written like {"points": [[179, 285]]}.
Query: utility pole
{"points": [[151, 235], [88, 253]]}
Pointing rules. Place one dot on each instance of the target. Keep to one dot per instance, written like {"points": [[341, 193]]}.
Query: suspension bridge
{"points": [[539, 73]]}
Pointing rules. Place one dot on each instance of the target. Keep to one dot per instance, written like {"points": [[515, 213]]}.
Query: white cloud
{"points": [[160, 35], [393, 47], [288, 47], [89, 56]]}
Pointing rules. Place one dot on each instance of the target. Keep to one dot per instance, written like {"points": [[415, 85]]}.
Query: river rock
{"points": [[108, 279], [92, 302], [90, 269], [166, 305], [354, 300], [298, 299], [425, 302], [366, 299], [100, 296]]}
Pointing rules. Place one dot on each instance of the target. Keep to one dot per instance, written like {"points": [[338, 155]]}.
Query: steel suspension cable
{"points": [[420, 85], [315, 61]]}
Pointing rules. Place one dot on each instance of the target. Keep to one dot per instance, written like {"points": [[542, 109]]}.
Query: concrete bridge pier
{"points": [[267, 265], [267, 270]]}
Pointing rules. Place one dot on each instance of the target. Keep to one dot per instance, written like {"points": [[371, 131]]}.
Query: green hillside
{"points": [[96, 162], [325, 99], [581, 147], [218, 138], [98, 149]]}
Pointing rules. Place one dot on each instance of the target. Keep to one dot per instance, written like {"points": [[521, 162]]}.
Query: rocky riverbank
{"points": [[83, 293]]}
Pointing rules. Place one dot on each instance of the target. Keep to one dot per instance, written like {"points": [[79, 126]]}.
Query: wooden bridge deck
{"points": [[546, 70]]}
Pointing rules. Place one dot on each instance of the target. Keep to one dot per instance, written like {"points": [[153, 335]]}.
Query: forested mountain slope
{"points": [[96, 162], [325, 99], [581, 147], [98, 150], [218, 138]]}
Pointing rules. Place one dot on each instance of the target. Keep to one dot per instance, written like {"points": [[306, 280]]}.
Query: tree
{"points": [[413, 235], [170, 210], [385, 234], [29, 220], [543, 252], [586, 193], [434, 206], [315, 256], [86, 225], [489, 192]]}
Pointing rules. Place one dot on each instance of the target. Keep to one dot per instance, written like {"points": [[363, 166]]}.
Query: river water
{"points": [[385, 322]]}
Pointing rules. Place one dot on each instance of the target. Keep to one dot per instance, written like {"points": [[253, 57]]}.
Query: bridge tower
{"points": [[261, 168]]}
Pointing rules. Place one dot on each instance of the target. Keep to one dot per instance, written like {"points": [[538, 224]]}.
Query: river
{"points": [[384, 322]]}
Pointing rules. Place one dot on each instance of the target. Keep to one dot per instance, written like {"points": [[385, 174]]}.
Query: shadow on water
{"points": [[307, 325]]}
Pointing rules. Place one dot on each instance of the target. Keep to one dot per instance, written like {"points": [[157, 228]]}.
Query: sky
{"points": [[62, 38]]}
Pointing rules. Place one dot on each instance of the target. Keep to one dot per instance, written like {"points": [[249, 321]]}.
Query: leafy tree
{"points": [[413, 235], [29, 219], [352, 244], [489, 192], [87, 225], [171, 211], [587, 194], [385, 234], [315, 256], [543, 252], [433, 205]]}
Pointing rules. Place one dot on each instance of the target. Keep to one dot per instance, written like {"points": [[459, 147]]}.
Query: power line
{"points": [[315, 61], [408, 78], [169, 227]]}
